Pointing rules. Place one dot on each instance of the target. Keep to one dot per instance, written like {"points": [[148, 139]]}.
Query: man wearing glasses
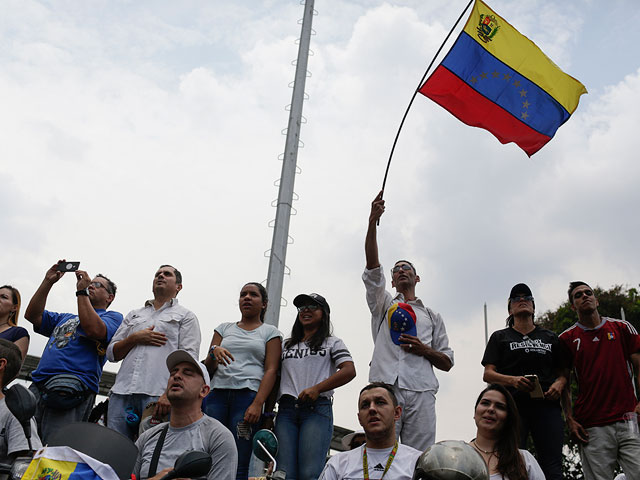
{"points": [[410, 339], [143, 341], [604, 418], [66, 380]]}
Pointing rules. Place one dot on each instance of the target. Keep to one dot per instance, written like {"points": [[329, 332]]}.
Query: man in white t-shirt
{"points": [[381, 455]]}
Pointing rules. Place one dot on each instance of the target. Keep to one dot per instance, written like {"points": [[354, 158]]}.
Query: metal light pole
{"points": [[278, 254]]}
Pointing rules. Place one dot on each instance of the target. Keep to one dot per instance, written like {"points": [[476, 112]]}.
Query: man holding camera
{"points": [[67, 378]]}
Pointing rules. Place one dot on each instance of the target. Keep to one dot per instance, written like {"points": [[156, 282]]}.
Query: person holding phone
{"points": [[526, 358], [66, 381]]}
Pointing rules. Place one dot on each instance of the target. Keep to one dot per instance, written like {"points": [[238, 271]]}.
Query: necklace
{"points": [[490, 452], [365, 463]]}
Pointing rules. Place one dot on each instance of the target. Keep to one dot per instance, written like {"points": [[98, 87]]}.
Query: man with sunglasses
{"points": [[66, 380], [602, 352], [410, 339]]}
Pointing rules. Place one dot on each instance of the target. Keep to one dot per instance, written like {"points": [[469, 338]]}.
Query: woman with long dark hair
{"points": [[243, 359], [314, 363], [9, 312], [497, 423], [527, 360]]}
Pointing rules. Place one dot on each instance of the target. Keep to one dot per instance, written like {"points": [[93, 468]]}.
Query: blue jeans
{"points": [[117, 416], [543, 419], [304, 436], [228, 407]]}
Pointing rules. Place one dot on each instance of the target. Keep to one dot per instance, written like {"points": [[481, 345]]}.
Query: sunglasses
{"points": [[519, 298], [311, 308]]}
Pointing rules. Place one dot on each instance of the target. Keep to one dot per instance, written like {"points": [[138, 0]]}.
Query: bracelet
{"points": [[82, 293], [211, 351]]}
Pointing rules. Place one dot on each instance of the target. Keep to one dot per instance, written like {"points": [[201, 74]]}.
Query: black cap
{"points": [[304, 299], [520, 289]]}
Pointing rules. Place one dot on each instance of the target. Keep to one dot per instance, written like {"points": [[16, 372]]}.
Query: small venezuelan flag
{"points": [[497, 79], [64, 463]]}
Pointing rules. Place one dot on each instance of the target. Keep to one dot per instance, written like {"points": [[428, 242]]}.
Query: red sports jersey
{"points": [[602, 365]]}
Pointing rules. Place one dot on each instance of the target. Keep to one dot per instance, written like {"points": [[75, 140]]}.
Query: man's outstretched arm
{"points": [[371, 240]]}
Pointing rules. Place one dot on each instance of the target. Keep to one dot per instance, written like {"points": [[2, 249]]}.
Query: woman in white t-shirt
{"points": [[243, 359], [314, 362], [497, 422]]}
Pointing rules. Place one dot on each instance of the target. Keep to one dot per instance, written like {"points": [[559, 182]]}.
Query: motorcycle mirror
{"points": [[22, 404], [265, 445], [192, 464]]}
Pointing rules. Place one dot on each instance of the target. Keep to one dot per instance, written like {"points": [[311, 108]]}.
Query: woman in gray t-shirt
{"points": [[243, 359], [313, 363]]}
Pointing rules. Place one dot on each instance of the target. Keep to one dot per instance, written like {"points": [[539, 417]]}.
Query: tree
{"points": [[611, 301]]}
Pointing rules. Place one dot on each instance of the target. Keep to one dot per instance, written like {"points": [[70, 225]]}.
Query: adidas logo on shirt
{"points": [[379, 468], [596, 339]]}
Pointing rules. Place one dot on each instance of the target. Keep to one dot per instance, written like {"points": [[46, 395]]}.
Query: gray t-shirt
{"points": [[206, 435], [249, 349], [12, 437], [303, 367]]}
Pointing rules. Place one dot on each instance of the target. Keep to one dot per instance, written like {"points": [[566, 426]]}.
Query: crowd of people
{"points": [[254, 376]]}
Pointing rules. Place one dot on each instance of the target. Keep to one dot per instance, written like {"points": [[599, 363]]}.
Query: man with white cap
{"points": [[189, 428]]}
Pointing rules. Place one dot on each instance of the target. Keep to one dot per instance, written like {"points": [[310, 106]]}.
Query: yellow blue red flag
{"points": [[65, 463], [497, 79]]}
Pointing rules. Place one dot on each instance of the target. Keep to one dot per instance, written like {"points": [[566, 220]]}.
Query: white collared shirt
{"points": [[390, 362], [144, 368]]}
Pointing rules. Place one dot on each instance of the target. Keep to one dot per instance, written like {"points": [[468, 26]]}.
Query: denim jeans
{"points": [[228, 407], [543, 419], [117, 415], [304, 435]]}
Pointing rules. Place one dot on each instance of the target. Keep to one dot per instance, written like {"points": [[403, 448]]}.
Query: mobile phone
{"points": [[537, 388], [68, 266]]}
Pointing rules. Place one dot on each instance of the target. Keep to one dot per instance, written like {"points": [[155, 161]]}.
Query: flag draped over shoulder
{"points": [[497, 79], [65, 463]]}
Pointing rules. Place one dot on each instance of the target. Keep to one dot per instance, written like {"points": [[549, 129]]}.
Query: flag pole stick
{"points": [[393, 147]]}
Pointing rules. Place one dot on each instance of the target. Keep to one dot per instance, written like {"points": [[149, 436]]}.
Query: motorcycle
{"points": [[265, 447]]}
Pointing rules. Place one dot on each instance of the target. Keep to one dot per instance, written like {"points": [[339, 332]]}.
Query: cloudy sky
{"points": [[137, 133]]}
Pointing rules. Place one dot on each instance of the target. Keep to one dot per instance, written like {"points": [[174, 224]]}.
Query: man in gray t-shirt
{"points": [[188, 429], [12, 439]]}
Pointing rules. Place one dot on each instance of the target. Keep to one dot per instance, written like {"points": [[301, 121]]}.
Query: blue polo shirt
{"points": [[70, 351]]}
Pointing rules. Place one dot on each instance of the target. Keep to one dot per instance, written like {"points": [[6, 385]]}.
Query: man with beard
{"points": [[68, 374], [189, 428]]}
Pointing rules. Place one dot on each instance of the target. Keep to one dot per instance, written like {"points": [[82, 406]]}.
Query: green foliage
{"points": [[611, 301]]}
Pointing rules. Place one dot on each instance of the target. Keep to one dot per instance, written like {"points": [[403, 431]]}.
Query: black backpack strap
{"points": [[156, 452]]}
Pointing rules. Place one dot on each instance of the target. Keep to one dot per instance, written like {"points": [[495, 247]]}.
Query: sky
{"points": [[139, 133]]}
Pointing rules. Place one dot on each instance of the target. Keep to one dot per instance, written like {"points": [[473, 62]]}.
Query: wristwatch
{"points": [[83, 293]]}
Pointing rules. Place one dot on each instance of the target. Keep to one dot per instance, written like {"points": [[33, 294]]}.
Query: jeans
{"points": [[304, 435], [50, 420], [117, 416], [543, 419], [228, 407]]}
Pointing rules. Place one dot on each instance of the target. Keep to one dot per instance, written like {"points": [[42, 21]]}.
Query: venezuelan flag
{"points": [[64, 463], [497, 79]]}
